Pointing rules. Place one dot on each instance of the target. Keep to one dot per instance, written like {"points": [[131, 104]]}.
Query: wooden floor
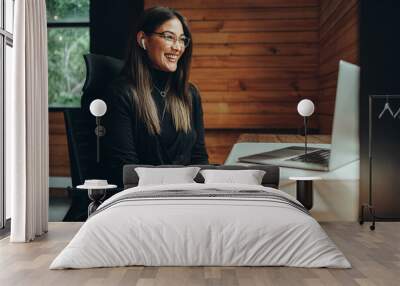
{"points": [[375, 257]]}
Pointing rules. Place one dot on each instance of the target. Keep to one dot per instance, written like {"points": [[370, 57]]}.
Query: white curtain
{"points": [[27, 124]]}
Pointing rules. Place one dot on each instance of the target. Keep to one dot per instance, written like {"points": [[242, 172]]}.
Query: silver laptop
{"points": [[344, 147]]}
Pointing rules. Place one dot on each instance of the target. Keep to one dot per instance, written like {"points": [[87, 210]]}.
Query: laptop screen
{"points": [[345, 134]]}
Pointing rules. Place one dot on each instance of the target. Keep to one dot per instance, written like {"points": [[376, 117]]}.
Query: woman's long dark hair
{"points": [[137, 70]]}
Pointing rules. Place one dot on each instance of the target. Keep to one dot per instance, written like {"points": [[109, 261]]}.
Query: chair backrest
{"points": [[100, 72]]}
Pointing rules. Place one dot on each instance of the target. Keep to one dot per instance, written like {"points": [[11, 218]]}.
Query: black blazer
{"points": [[127, 140]]}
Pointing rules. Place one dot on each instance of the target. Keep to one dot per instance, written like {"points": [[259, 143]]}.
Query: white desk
{"points": [[335, 196]]}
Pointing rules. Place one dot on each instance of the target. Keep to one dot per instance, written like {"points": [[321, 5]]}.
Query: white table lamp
{"points": [[305, 108], [98, 108]]}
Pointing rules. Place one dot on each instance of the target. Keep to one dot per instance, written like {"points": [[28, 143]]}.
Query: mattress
{"points": [[201, 225]]}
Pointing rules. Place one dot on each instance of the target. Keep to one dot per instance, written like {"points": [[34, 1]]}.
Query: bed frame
{"points": [[270, 179]]}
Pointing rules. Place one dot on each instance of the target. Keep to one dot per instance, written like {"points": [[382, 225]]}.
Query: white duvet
{"points": [[200, 231]]}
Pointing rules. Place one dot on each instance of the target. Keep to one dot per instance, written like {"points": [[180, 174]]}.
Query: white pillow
{"points": [[164, 176], [248, 177]]}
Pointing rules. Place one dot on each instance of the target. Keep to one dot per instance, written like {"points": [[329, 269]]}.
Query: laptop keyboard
{"points": [[317, 157]]}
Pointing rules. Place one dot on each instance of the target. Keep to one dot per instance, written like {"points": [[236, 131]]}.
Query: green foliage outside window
{"points": [[67, 10], [66, 65], [66, 47]]}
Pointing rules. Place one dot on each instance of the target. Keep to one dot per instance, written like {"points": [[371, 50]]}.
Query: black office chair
{"points": [[100, 72], [80, 126], [82, 156]]}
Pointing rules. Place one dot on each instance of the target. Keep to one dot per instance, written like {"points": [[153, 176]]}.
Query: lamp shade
{"points": [[98, 107], [305, 107]]}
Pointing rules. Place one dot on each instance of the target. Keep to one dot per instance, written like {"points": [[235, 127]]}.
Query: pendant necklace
{"points": [[163, 94]]}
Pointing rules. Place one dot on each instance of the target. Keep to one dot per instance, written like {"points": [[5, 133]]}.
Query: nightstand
{"points": [[304, 190], [96, 195]]}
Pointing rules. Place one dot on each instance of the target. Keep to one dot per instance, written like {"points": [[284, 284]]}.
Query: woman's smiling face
{"points": [[165, 50]]}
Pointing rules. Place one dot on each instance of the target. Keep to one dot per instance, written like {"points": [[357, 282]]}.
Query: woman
{"points": [[154, 114]]}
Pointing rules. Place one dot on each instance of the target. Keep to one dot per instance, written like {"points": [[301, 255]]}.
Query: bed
{"points": [[198, 224]]}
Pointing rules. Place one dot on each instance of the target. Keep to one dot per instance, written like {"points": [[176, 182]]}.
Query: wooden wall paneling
{"points": [[345, 14], [337, 11], [219, 144], [258, 25], [326, 107], [328, 81], [229, 13], [58, 146], [252, 115], [325, 123], [253, 85], [291, 62], [259, 37], [338, 46], [327, 93], [349, 54], [281, 96], [252, 73], [325, 5], [263, 49], [249, 108], [339, 39], [256, 121]]}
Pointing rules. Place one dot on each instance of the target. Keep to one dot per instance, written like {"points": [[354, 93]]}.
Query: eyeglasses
{"points": [[171, 38]]}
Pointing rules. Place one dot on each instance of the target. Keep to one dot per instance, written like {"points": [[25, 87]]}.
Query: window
{"points": [[68, 41], [6, 43]]}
